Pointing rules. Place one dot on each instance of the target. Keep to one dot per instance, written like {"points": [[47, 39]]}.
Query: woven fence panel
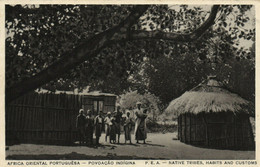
{"points": [[42, 118]]}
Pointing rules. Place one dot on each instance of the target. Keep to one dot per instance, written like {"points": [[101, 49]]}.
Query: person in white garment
{"points": [[108, 123], [140, 124]]}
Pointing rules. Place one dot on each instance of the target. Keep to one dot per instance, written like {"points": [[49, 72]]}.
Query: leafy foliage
{"points": [[169, 76], [148, 100], [37, 36]]}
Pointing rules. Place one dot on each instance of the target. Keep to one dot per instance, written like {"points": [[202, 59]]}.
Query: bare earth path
{"points": [[159, 146]]}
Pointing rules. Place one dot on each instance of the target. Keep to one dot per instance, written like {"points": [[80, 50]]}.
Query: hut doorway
{"points": [[98, 105], [99, 102], [95, 105]]}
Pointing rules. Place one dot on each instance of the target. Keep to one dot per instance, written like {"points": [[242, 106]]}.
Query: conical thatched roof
{"points": [[209, 96]]}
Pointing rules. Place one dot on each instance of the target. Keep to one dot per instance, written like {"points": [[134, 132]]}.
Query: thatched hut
{"points": [[211, 116]]}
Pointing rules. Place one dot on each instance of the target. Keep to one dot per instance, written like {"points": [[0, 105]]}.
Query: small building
{"points": [[44, 117], [96, 101], [211, 116]]}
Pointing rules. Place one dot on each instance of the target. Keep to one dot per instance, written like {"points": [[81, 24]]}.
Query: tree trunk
{"points": [[84, 51], [91, 47]]}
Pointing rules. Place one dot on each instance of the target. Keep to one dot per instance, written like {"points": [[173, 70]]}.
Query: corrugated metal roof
{"points": [[94, 93]]}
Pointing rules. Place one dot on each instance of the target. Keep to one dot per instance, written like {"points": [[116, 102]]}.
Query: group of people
{"points": [[111, 123]]}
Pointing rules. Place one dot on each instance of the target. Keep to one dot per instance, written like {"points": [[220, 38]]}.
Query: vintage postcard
{"points": [[129, 83]]}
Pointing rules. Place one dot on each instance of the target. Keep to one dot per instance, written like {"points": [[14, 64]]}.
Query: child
{"points": [[108, 123], [128, 127]]}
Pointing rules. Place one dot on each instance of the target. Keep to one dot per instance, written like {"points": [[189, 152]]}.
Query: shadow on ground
{"points": [[158, 145], [73, 156], [231, 148]]}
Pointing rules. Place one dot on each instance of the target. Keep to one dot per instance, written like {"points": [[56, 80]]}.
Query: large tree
{"points": [[78, 45], [169, 76]]}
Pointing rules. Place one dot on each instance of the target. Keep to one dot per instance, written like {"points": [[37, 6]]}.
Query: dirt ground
{"points": [[159, 146]]}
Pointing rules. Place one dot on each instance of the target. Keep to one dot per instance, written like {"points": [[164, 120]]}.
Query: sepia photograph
{"points": [[130, 82]]}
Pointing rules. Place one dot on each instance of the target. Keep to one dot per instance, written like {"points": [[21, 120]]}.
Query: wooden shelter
{"points": [[96, 101], [51, 117], [211, 116]]}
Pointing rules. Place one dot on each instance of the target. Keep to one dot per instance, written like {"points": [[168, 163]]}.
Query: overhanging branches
{"points": [[91, 47]]}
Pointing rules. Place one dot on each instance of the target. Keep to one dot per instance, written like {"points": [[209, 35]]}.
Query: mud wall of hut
{"points": [[216, 130], [43, 118]]}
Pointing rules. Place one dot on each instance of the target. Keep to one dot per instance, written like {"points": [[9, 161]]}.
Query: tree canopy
{"points": [[149, 101], [107, 47]]}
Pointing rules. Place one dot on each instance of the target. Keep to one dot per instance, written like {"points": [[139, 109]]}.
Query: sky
{"points": [[249, 25]]}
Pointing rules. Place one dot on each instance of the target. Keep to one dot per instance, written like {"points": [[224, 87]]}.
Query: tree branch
{"points": [[91, 47], [138, 35], [83, 52]]}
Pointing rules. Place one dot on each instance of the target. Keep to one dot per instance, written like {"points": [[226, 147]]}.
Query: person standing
{"points": [[89, 127], [118, 119], [98, 122], [128, 127], [112, 135], [80, 125], [108, 123], [140, 123], [141, 131]]}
